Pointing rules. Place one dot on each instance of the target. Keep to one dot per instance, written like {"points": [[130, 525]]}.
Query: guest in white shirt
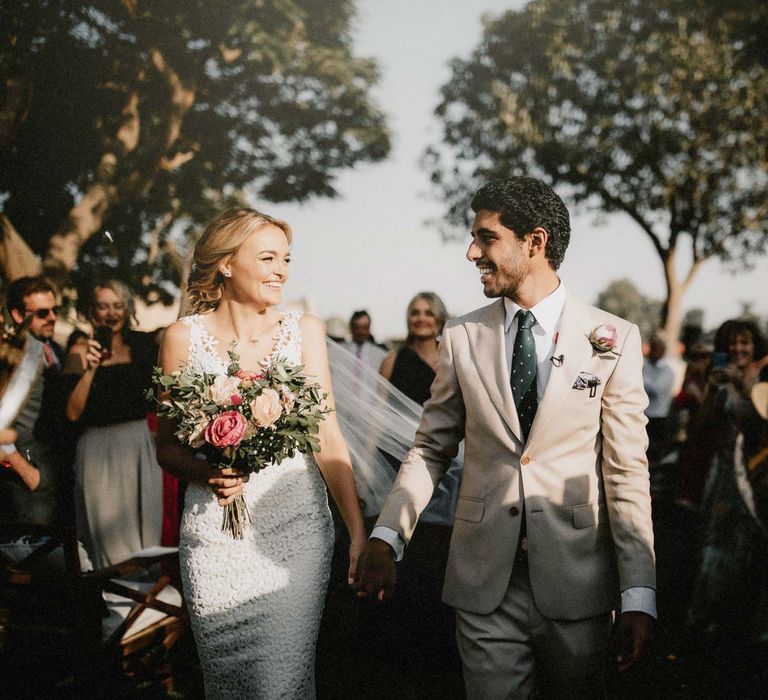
{"points": [[659, 381], [362, 345]]}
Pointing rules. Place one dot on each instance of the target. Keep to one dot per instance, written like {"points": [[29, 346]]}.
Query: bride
{"points": [[256, 603]]}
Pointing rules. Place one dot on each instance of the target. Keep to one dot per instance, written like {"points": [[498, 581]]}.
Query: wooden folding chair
{"points": [[87, 629]]}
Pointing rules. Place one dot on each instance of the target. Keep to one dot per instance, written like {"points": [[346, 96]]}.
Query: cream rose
{"points": [[266, 408], [223, 388]]}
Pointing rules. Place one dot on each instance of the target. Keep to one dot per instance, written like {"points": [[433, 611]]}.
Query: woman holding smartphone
{"points": [[118, 483]]}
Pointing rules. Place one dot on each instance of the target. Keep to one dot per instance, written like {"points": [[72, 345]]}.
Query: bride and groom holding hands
{"points": [[552, 530]]}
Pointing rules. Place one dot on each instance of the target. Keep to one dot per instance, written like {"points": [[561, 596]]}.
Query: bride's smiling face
{"points": [[259, 269]]}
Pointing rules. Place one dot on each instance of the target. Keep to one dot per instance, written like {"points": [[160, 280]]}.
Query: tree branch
{"points": [[635, 215], [13, 248]]}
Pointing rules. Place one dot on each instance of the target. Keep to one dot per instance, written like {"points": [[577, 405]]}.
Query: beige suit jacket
{"points": [[582, 476]]}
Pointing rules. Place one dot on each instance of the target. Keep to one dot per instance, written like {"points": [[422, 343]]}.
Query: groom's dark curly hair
{"points": [[524, 203]]}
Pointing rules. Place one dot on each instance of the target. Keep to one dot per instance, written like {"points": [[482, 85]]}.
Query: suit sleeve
{"points": [[625, 467], [437, 442]]}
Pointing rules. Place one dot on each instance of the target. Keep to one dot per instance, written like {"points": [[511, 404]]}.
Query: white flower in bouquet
{"points": [[223, 388]]}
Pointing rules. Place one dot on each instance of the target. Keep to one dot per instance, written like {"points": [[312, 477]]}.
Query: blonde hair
{"points": [[436, 306], [221, 239], [124, 292]]}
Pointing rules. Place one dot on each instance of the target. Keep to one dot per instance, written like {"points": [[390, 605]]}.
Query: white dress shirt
{"points": [[547, 313]]}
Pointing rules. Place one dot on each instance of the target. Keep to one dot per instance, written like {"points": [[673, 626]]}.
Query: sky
{"points": [[372, 247]]}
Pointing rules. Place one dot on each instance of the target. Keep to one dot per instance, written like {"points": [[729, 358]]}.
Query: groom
{"points": [[553, 522]]}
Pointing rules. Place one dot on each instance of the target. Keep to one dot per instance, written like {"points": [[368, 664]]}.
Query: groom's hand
{"points": [[634, 631], [376, 572]]}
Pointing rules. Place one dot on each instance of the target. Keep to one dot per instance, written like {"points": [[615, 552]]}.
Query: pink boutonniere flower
{"points": [[605, 338]]}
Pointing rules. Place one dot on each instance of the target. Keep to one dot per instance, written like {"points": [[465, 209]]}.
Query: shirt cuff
{"points": [[7, 449], [638, 599], [392, 538]]}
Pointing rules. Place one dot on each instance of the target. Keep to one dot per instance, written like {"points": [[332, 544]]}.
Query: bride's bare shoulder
{"points": [[174, 349], [312, 331]]}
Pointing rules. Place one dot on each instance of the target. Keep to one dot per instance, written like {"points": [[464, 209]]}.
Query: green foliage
{"points": [[187, 396], [624, 299], [239, 100], [646, 108]]}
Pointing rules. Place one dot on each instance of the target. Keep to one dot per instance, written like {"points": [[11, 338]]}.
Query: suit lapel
{"points": [[574, 346], [486, 341]]}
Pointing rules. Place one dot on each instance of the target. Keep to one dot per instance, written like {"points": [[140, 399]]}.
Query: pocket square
{"points": [[585, 380]]}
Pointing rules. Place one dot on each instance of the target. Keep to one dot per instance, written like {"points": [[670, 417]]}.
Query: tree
{"points": [[623, 298], [647, 109], [145, 118]]}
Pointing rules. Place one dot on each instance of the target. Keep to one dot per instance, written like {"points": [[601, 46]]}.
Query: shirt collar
{"points": [[547, 312]]}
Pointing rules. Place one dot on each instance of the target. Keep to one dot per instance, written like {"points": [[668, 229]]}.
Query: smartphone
{"points": [[103, 336], [719, 359]]}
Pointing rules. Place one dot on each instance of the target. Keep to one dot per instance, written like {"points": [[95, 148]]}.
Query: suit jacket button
{"points": [[514, 510], [525, 460]]}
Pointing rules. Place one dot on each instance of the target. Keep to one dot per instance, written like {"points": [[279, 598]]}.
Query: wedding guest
{"points": [[416, 625], [118, 490], [29, 487], [728, 612], [691, 395], [658, 381], [362, 345], [744, 348], [412, 368]]}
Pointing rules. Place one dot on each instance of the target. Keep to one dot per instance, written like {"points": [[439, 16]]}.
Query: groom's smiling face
{"points": [[498, 254]]}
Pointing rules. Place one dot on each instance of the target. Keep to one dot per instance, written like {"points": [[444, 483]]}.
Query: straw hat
{"points": [[759, 397]]}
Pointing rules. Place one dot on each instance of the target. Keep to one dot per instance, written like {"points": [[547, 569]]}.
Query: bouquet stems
{"points": [[235, 517]]}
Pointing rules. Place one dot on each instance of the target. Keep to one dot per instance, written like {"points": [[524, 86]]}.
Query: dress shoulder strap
{"points": [[289, 342], [202, 345]]}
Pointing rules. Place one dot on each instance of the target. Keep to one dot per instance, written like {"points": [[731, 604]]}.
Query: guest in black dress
{"points": [[118, 489], [412, 368], [415, 627]]}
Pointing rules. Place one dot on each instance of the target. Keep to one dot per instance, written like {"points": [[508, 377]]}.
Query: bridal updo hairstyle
{"points": [[222, 239]]}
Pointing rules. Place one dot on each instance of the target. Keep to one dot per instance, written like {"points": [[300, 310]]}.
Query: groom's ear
{"points": [[538, 241]]}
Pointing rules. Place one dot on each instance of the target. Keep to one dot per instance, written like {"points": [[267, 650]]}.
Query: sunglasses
{"points": [[42, 314]]}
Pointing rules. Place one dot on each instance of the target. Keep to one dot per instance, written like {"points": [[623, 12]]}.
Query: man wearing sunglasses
{"points": [[29, 487]]}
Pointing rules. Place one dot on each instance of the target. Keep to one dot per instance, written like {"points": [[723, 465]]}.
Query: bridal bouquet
{"points": [[243, 420]]}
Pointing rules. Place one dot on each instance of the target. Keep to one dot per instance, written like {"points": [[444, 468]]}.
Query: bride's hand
{"points": [[227, 484], [355, 550]]}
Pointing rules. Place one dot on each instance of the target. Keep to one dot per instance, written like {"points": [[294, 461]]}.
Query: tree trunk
{"points": [[16, 257], [676, 290]]}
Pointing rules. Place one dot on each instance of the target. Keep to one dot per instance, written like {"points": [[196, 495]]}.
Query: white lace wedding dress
{"points": [[255, 603]]}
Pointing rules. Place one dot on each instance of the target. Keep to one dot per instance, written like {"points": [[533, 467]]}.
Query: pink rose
{"points": [[227, 429], [222, 389], [251, 376], [248, 378], [236, 399], [605, 338], [266, 408]]}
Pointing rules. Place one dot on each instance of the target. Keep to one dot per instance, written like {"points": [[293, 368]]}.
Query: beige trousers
{"points": [[515, 651]]}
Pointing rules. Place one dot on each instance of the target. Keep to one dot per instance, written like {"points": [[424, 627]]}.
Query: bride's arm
{"points": [[333, 456], [175, 458]]}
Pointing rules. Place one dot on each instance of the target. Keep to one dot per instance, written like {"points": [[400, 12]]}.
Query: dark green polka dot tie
{"points": [[523, 375]]}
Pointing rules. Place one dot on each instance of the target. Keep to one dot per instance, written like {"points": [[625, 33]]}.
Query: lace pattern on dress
{"points": [[203, 346], [255, 604]]}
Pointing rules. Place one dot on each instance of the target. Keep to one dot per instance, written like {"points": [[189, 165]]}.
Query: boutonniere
{"points": [[605, 339]]}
